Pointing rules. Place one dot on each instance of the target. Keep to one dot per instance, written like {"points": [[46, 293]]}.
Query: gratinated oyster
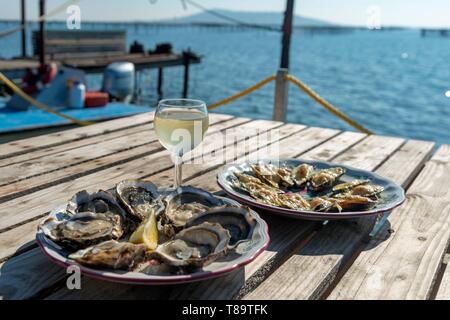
{"points": [[325, 178]]}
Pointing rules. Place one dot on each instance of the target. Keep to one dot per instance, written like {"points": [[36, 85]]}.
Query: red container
{"points": [[96, 99]]}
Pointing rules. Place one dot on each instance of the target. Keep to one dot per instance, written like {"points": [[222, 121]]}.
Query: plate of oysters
{"points": [[313, 190], [137, 233]]}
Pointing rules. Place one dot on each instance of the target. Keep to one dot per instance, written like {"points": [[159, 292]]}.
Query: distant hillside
{"points": [[266, 18]]}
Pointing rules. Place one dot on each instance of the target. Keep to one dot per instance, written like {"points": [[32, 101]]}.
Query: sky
{"points": [[416, 13]]}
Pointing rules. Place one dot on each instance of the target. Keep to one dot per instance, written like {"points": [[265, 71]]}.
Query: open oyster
{"points": [[97, 202], [111, 254], [83, 229], [301, 174], [91, 218], [182, 205], [237, 220], [325, 178], [139, 198], [196, 246]]}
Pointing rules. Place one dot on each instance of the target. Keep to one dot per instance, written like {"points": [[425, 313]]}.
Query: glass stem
{"points": [[178, 162]]}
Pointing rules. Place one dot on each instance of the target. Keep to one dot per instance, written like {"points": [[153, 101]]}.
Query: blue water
{"points": [[392, 82]]}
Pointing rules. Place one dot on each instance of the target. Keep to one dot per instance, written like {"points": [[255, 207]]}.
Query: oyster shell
{"points": [[237, 220], [97, 202], [83, 229], [196, 246], [301, 174], [88, 219], [268, 174], [325, 178], [111, 254], [183, 204], [249, 183], [293, 201], [367, 190], [347, 186], [324, 204], [139, 198], [353, 202]]}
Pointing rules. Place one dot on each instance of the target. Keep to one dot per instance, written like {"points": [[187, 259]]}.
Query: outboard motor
{"points": [[118, 80]]}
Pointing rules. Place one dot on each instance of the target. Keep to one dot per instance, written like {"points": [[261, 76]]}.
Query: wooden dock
{"points": [[401, 257], [97, 63]]}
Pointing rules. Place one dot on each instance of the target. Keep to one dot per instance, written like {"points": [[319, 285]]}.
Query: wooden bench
{"points": [[66, 43]]}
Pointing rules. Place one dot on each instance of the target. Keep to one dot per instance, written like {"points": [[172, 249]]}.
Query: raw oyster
{"points": [[88, 219], [196, 246], [83, 229], [139, 198], [301, 174], [182, 205], [325, 178], [97, 202], [111, 254], [237, 220]]}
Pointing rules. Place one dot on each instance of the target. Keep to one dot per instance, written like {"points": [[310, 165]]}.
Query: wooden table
{"points": [[403, 257]]}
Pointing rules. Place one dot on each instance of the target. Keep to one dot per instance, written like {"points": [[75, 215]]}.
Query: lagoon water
{"points": [[393, 82]]}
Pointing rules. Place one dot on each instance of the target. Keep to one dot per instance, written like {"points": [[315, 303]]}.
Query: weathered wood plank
{"points": [[32, 158], [310, 271], [33, 205], [384, 269], [162, 178], [11, 239], [18, 147], [53, 150], [284, 234], [29, 176], [31, 144], [444, 287]]}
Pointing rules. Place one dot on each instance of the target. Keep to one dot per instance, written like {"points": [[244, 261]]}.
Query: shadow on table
{"points": [[31, 275]]}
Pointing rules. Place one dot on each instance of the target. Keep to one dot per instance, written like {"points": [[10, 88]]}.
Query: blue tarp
{"points": [[13, 120]]}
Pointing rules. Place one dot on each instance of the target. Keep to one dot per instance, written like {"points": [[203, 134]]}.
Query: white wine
{"points": [[180, 130]]}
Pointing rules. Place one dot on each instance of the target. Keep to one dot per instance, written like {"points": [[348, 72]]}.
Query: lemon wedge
{"points": [[146, 233]]}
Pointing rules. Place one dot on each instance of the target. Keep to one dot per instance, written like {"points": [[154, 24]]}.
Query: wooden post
{"points": [[186, 58], [160, 82], [24, 28], [281, 95], [281, 84], [41, 32], [287, 31]]}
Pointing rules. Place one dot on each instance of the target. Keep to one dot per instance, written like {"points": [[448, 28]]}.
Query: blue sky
{"points": [[431, 13]]}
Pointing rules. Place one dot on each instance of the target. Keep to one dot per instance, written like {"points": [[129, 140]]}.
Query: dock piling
{"points": [[281, 95], [186, 61], [42, 32], [160, 82], [24, 28]]}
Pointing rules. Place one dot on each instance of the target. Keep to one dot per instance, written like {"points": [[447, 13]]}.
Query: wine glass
{"points": [[180, 125]]}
